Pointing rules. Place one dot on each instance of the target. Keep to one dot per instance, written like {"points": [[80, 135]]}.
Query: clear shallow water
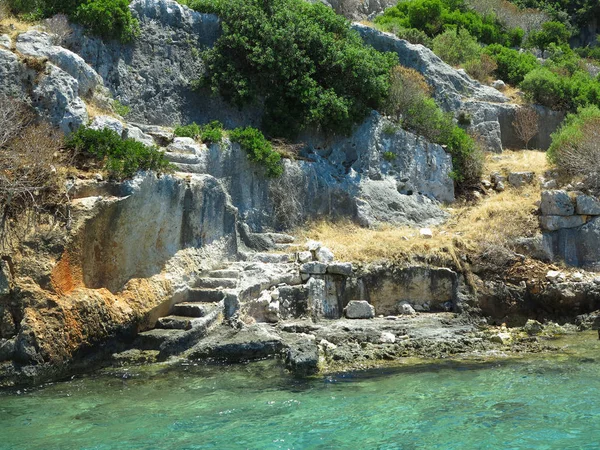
{"points": [[543, 402]]}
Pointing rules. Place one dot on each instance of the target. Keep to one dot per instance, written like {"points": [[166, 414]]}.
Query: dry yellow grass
{"points": [[497, 219], [95, 110], [13, 26]]}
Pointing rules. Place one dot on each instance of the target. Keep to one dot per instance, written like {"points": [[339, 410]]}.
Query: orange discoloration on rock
{"points": [[66, 276]]}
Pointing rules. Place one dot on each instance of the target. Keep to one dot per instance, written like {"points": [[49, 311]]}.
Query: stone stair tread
{"points": [[175, 322], [271, 258], [192, 309], [223, 273], [152, 340], [203, 295], [215, 283]]}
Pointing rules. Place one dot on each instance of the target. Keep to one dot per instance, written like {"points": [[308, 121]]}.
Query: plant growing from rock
{"points": [[58, 26], [122, 158], [526, 124], [575, 148], [259, 149], [481, 68], [302, 61]]}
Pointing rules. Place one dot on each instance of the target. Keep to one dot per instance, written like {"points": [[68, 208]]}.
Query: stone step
{"points": [[152, 340], [192, 309], [204, 295], [215, 283], [270, 258], [224, 273], [175, 323]]}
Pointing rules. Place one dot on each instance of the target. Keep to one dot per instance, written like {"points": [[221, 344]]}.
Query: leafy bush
{"points": [[570, 132], [456, 47], [482, 68], [120, 108], [192, 130], [411, 105], [121, 158], [412, 35], [551, 33], [107, 18], [434, 17], [561, 91], [512, 64], [389, 156], [303, 60], [210, 132], [575, 148], [259, 149]]}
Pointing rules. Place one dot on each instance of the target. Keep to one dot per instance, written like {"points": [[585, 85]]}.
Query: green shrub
{"points": [[389, 156], [121, 158], [561, 91], [481, 68], [120, 108], [411, 35], [551, 33], [259, 149], [107, 18], [302, 60], [570, 134], [456, 47], [434, 17], [512, 64], [409, 102], [192, 130], [575, 149], [210, 133]]}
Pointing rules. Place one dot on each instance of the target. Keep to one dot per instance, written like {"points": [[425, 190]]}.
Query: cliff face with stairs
{"points": [[157, 264]]}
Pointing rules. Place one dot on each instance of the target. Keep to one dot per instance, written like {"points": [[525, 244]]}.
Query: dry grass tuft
{"points": [[497, 219], [13, 26]]}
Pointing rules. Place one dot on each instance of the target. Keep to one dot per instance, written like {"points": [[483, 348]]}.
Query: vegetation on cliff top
{"points": [[301, 60], [110, 19]]}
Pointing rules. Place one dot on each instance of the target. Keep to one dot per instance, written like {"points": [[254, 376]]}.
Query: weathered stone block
{"points": [[587, 205], [314, 267], [557, 203], [519, 179], [359, 309], [553, 223], [344, 269]]}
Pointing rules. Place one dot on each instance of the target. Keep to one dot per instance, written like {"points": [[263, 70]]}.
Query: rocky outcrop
{"points": [[570, 224], [154, 74], [358, 9]]}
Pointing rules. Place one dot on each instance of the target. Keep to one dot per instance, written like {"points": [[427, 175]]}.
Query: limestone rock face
{"points": [[449, 84], [579, 247], [359, 309], [57, 94], [153, 74], [37, 44]]}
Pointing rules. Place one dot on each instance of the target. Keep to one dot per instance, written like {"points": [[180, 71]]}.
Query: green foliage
{"points": [[512, 65], [410, 103], [107, 18], [259, 149], [551, 33], [122, 158], [120, 108], [303, 60], [389, 156], [434, 17], [211, 132], [413, 36], [569, 12], [560, 91], [456, 47], [569, 134]]}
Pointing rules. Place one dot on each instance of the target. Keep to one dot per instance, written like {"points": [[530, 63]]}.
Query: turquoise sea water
{"points": [[541, 402]]}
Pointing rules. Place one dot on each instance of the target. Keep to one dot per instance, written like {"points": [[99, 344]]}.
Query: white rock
{"points": [[313, 246], [499, 84], [324, 255], [275, 294], [387, 338], [406, 309], [552, 275], [5, 41], [138, 135], [359, 309], [577, 276], [304, 257], [426, 233], [103, 122]]}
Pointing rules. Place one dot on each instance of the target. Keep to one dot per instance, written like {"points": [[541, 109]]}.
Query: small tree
{"points": [[407, 89], [526, 124]]}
